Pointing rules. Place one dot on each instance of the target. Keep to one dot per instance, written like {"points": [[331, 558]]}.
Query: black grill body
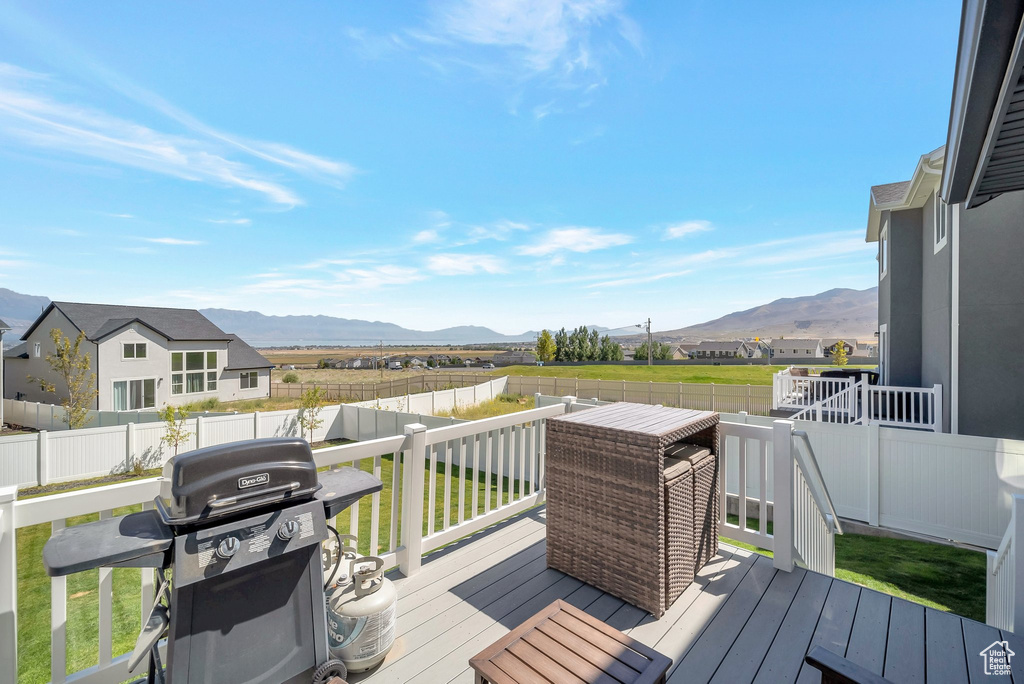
{"points": [[239, 525]]}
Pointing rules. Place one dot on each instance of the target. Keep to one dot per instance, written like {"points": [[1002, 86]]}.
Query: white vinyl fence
{"points": [[41, 458]]}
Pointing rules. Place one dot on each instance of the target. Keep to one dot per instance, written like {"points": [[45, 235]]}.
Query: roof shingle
{"points": [[100, 320]]}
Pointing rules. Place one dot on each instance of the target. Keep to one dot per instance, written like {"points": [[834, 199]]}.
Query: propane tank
{"points": [[332, 554], [361, 616]]}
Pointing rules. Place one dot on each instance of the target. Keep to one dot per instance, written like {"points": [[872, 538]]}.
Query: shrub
{"points": [[290, 377]]}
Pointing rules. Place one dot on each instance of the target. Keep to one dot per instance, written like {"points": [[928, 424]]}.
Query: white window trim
{"points": [[883, 352], [136, 357], [37, 350], [156, 390], [883, 249], [251, 386], [940, 216], [184, 373]]}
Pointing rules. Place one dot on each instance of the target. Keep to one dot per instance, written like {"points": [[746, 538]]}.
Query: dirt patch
{"points": [[58, 487], [11, 429]]}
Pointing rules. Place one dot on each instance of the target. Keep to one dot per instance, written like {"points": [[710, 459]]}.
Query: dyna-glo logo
{"points": [[253, 480]]}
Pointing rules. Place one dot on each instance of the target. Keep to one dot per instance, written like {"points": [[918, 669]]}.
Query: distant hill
{"points": [[835, 313], [257, 328], [19, 310]]}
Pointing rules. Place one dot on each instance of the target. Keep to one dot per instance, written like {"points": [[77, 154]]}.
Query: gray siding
{"points": [[904, 276], [936, 308], [992, 318]]}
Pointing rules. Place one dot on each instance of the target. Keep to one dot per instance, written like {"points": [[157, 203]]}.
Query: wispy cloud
{"points": [[424, 236], [678, 230], [574, 239], [231, 222], [639, 279], [339, 282], [30, 115], [541, 35], [172, 241], [499, 230], [121, 216], [464, 264], [324, 263]]}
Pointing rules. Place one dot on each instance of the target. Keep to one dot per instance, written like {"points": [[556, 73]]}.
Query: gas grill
{"points": [[239, 528]]}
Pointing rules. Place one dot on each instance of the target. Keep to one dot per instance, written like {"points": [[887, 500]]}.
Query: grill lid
{"points": [[221, 480]]}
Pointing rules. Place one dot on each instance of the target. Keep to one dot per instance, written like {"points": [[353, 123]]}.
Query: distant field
{"points": [[327, 375], [722, 375], [311, 356]]}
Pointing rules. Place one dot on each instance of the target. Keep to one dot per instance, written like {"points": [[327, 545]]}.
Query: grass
{"points": [[82, 588], [250, 405], [722, 375], [935, 575], [501, 405]]}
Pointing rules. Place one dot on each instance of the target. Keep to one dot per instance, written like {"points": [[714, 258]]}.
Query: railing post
{"points": [[8, 587], [412, 500], [568, 401], [937, 421], [782, 462], [256, 424], [1017, 519], [43, 458]]}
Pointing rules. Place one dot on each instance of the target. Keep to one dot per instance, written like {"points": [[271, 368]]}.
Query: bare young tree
{"points": [[73, 367], [312, 402]]}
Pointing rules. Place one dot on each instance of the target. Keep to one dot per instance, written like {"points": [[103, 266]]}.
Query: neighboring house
{"points": [[514, 358], [4, 328], [710, 349], [684, 351], [829, 346], [799, 348], [758, 349], [950, 247], [864, 351], [143, 357], [439, 359]]}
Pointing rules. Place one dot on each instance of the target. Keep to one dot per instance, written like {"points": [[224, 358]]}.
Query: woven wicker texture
{"points": [[606, 498]]}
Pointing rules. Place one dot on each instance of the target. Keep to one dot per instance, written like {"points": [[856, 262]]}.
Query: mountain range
{"points": [[835, 313]]}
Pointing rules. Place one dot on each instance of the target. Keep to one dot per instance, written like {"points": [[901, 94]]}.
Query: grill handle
{"points": [[231, 500]]}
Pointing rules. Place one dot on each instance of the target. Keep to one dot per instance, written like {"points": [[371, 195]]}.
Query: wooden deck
{"points": [[741, 621]]}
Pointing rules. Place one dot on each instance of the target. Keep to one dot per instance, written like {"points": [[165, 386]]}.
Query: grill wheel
{"points": [[331, 672]]}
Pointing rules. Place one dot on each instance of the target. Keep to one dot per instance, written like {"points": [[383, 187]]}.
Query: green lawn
{"points": [[935, 575], [83, 604], [722, 375]]}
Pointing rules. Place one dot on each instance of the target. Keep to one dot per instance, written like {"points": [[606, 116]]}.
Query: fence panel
{"points": [[18, 462], [74, 454]]}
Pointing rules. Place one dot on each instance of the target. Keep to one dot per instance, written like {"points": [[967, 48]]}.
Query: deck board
{"points": [[740, 621]]}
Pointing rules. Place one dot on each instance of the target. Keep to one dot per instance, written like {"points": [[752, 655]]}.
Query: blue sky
{"points": [[511, 164]]}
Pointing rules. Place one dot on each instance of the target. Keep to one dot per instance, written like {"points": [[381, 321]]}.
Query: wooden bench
{"points": [[563, 644]]}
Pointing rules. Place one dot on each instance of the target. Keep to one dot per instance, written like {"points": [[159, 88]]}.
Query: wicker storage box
{"points": [[680, 535], [606, 498]]}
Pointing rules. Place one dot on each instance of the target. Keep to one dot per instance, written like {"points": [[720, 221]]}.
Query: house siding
{"points": [[936, 308], [17, 371], [991, 318], [904, 314]]}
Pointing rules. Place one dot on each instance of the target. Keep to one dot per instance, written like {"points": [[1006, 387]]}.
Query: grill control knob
{"points": [[288, 529], [228, 547]]}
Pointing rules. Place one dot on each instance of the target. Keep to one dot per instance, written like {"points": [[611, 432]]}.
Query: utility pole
{"points": [[380, 361], [650, 345]]}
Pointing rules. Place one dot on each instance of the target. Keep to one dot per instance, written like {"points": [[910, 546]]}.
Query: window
{"points": [[883, 249], [131, 395], [133, 350], [37, 350], [193, 372], [249, 380], [940, 218]]}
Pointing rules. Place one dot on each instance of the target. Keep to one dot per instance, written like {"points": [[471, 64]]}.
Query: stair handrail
{"points": [[819, 490]]}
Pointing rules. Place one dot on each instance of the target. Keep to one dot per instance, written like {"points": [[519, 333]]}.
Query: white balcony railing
{"points": [[508, 447], [1004, 586], [841, 400]]}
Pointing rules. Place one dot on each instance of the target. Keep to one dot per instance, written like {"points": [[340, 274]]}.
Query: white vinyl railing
{"points": [[841, 400], [419, 520], [804, 521], [1004, 586]]}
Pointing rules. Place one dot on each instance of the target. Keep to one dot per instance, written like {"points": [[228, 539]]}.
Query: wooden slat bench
{"points": [[563, 644]]}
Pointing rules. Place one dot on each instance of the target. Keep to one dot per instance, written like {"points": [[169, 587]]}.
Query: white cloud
{"points": [[121, 216], [342, 282], [678, 230], [323, 263], [172, 241], [425, 236], [499, 230], [231, 222], [639, 279], [574, 239], [543, 35], [464, 264], [29, 116]]}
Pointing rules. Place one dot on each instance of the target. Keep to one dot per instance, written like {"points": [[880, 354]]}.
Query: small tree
{"points": [[545, 346], [73, 368], [312, 402], [176, 430], [661, 352], [290, 378], [839, 355]]}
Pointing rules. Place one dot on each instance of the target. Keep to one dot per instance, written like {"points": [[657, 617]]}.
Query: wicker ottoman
{"points": [[606, 498], [680, 539]]}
